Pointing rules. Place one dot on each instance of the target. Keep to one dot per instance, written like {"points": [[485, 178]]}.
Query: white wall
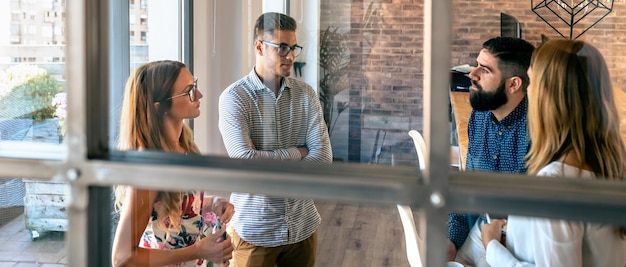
{"points": [[252, 10], [164, 31], [221, 61], [306, 13], [219, 36], [274, 6]]}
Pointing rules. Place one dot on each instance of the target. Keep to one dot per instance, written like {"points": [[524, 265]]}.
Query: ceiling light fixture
{"points": [[585, 13]]}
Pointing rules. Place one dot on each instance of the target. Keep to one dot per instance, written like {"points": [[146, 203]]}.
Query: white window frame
{"points": [[90, 163]]}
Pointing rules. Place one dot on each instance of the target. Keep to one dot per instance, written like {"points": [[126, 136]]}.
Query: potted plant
{"points": [[334, 57]]}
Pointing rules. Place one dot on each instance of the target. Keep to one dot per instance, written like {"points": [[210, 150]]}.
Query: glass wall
{"points": [[382, 68], [32, 74], [33, 84]]}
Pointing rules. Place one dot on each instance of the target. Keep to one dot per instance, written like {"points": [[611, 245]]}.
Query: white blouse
{"points": [[534, 241]]}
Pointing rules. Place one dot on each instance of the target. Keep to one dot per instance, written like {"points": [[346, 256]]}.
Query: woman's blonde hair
{"points": [[571, 110], [142, 127]]}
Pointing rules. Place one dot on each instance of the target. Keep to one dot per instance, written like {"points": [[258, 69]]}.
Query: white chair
{"points": [[420, 147], [411, 235]]}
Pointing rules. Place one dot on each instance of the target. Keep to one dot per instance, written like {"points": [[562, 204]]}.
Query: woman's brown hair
{"points": [[571, 110], [142, 126]]}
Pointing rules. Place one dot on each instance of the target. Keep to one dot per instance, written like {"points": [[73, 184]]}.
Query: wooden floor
{"points": [[360, 236], [350, 235]]}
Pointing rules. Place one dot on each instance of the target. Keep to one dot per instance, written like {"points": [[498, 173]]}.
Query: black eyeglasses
{"points": [[191, 92], [284, 50]]}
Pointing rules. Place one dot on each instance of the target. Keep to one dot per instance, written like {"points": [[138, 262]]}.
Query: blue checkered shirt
{"points": [[493, 146]]}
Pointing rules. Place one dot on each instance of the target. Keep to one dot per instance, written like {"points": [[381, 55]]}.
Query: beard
{"points": [[485, 101]]}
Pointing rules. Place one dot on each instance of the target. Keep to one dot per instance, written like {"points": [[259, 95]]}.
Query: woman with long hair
{"points": [[575, 133], [159, 228]]}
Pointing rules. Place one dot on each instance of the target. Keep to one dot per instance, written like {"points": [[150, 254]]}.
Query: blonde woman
{"points": [[574, 128], [158, 228]]}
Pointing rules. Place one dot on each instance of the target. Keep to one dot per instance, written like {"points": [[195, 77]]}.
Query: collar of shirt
{"points": [[257, 84], [520, 112], [498, 146]]}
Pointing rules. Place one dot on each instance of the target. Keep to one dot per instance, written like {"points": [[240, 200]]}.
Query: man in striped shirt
{"points": [[269, 115]]}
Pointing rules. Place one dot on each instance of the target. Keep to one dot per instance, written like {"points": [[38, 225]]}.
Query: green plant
{"points": [[26, 91], [334, 58]]}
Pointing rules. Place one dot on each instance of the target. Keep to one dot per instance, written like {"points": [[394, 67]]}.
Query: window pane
{"points": [[349, 234], [364, 59], [376, 97], [469, 32], [370, 79], [148, 46], [138, 45], [516, 19], [32, 78], [360, 235], [563, 242], [33, 214], [33, 220]]}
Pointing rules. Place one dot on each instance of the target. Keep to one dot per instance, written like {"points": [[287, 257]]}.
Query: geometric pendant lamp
{"points": [[575, 16]]}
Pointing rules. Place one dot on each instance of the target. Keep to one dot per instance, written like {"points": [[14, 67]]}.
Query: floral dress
{"points": [[194, 225]]}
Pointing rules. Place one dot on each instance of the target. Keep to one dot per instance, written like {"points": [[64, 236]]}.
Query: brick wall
{"points": [[476, 21], [386, 51]]}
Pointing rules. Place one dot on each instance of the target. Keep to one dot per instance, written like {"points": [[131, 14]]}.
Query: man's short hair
{"points": [[513, 55], [271, 21]]}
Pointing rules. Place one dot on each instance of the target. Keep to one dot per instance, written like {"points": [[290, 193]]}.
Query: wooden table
{"points": [[462, 110]]}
